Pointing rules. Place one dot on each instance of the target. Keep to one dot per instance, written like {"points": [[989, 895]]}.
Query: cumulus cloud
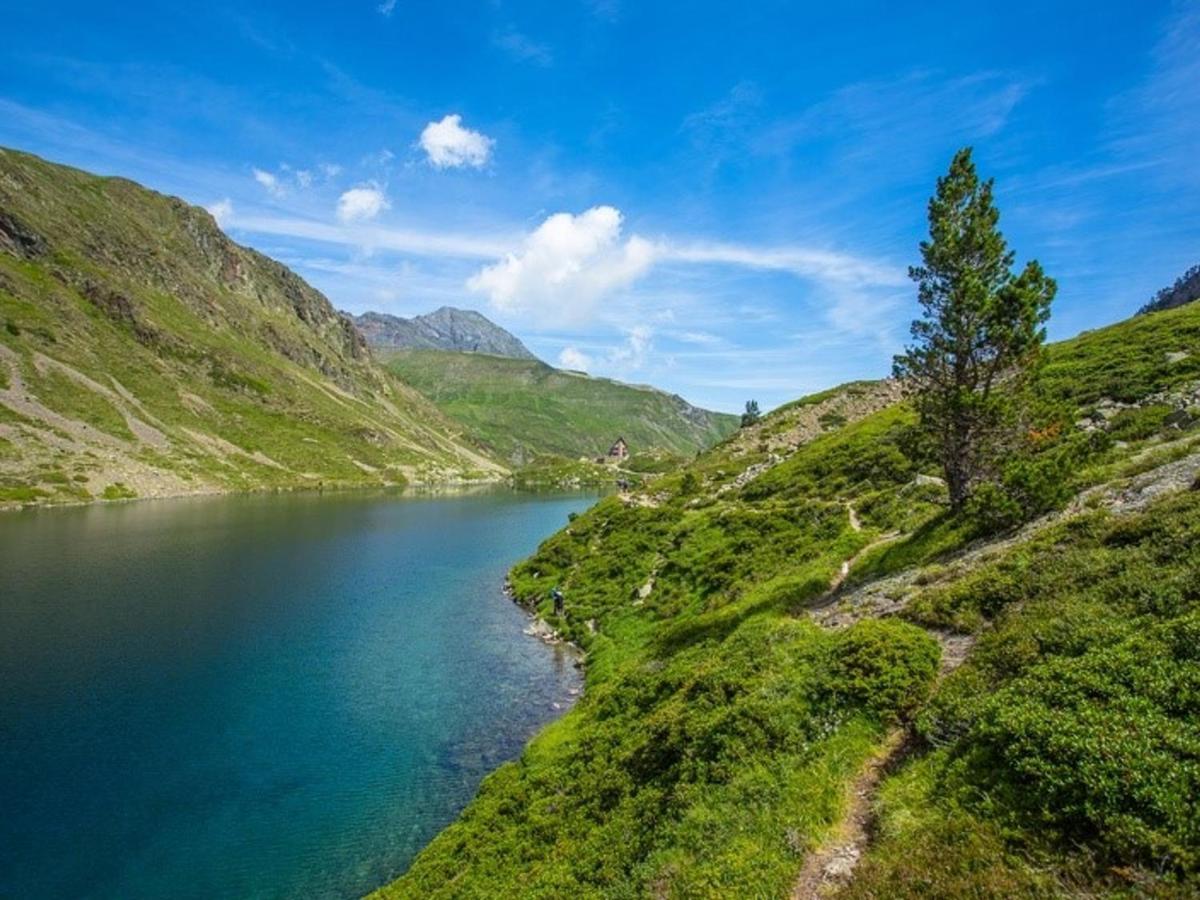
{"points": [[362, 203], [566, 265], [270, 182], [448, 145], [222, 210], [573, 358]]}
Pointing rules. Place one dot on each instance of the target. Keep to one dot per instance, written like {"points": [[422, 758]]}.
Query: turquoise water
{"points": [[258, 696]]}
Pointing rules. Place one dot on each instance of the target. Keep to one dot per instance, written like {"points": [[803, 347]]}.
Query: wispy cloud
{"points": [[270, 183], [630, 355], [574, 358], [568, 269], [701, 338], [719, 130], [522, 48], [605, 10], [822, 265], [386, 8], [222, 210], [358, 235], [896, 117], [1158, 122]]}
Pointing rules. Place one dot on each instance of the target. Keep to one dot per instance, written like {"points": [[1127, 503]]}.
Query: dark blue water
{"points": [[258, 696]]}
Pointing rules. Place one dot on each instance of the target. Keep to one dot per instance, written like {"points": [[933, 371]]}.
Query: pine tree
{"points": [[981, 326], [751, 415]]}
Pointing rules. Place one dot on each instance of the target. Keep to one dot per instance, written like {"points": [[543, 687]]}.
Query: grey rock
{"points": [[448, 328]]}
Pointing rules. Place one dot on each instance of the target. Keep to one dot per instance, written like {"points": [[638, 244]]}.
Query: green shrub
{"points": [[1033, 482], [118, 491], [884, 665], [689, 484], [1105, 747], [1072, 733], [1139, 423]]}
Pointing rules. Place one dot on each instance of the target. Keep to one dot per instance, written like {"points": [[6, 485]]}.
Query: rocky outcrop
{"points": [[1184, 401], [448, 328]]}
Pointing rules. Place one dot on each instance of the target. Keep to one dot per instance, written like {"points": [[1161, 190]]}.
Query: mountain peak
{"points": [[446, 328]]}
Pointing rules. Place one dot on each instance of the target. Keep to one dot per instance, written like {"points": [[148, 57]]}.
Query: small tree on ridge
{"points": [[751, 415], [980, 325]]}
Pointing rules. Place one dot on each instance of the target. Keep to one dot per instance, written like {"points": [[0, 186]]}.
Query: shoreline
{"points": [[543, 631], [430, 487]]}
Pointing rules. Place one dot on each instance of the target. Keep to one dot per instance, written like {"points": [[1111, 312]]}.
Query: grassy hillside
{"points": [[793, 635], [144, 353], [521, 409]]}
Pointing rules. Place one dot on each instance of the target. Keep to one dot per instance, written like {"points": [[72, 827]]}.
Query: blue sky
{"points": [[719, 199]]}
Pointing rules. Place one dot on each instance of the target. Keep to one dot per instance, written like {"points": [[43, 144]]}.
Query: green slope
{"points": [[521, 409], [734, 694], [144, 353]]}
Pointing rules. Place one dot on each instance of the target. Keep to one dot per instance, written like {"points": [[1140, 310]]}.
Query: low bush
{"points": [[1069, 742]]}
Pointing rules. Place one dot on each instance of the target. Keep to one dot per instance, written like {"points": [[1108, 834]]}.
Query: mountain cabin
{"points": [[619, 451]]}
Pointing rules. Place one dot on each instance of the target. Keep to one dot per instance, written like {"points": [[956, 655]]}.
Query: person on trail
{"points": [[557, 595]]}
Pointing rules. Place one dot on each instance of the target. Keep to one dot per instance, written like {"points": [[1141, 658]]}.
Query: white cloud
{"points": [[565, 266], [330, 170], [432, 244], [270, 182], [632, 354], [387, 7], [222, 210], [448, 145], [821, 265], [304, 178], [362, 203], [568, 268], [701, 338], [573, 358]]}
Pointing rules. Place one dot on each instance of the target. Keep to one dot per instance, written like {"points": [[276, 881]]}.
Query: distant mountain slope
{"points": [[524, 408], [143, 352], [443, 329]]}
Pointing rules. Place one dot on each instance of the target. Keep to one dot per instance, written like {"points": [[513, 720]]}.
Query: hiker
{"points": [[558, 601]]}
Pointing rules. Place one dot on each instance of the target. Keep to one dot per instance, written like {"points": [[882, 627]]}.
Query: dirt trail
{"points": [[891, 594], [835, 583], [831, 866]]}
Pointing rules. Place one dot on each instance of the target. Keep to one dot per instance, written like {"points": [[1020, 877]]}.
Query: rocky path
{"points": [[831, 866], [889, 595], [843, 572]]}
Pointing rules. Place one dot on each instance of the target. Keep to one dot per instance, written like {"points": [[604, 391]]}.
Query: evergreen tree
{"points": [[751, 415], [1186, 289], [980, 325]]}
